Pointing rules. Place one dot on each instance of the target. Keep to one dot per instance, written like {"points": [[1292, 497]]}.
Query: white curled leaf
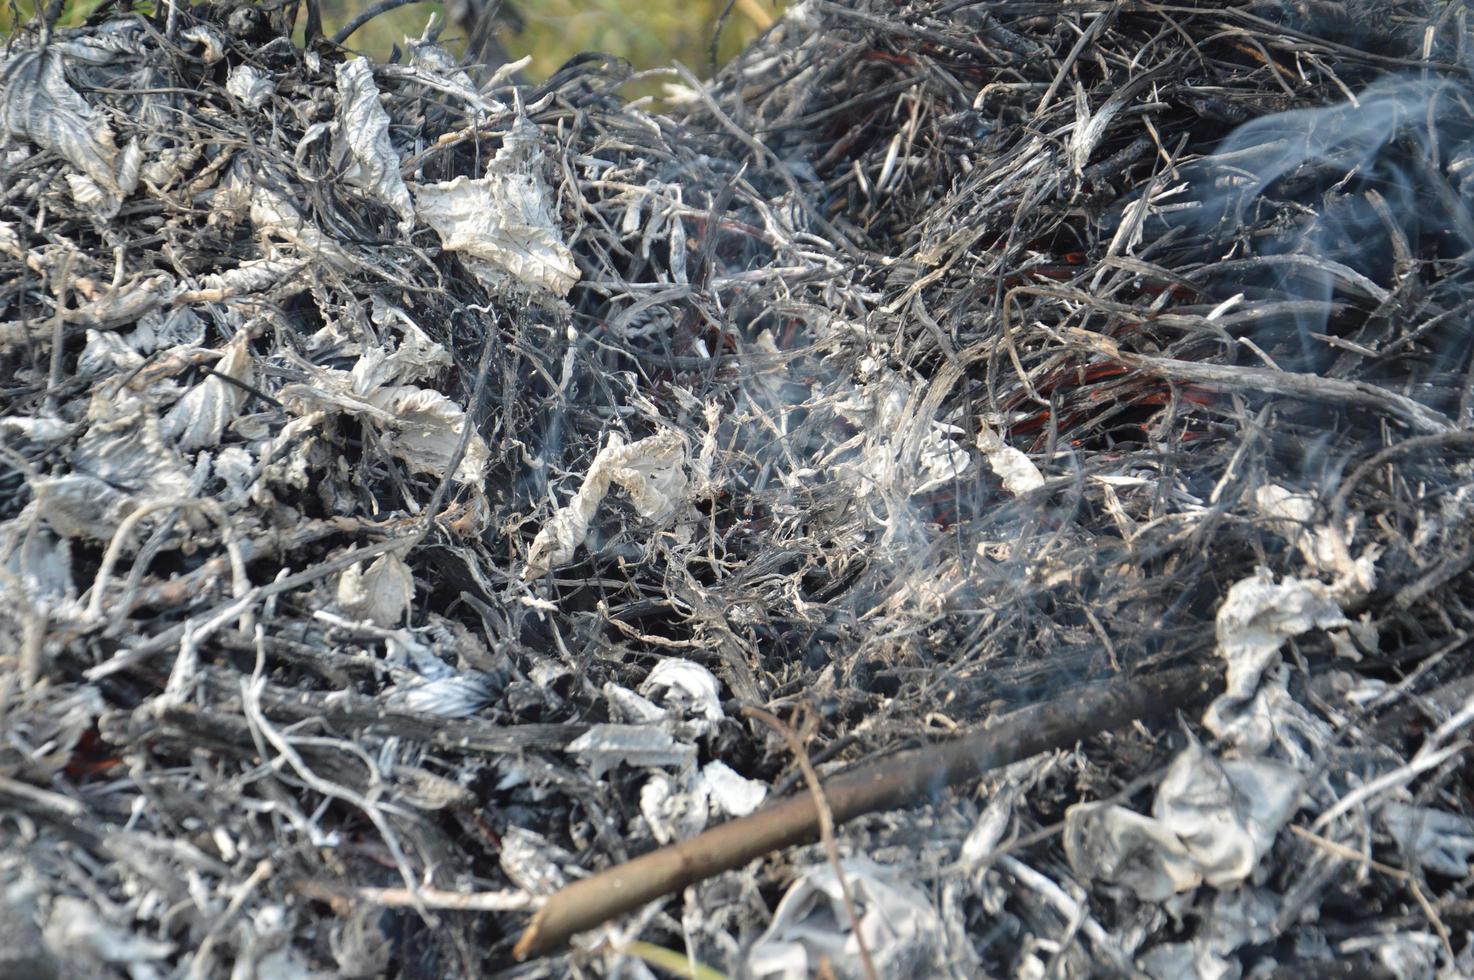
{"points": [[253, 276], [125, 304], [1012, 466], [1440, 841], [274, 214], [106, 352], [416, 358], [75, 926], [1106, 842], [39, 106], [678, 806], [427, 430], [250, 85], [364, 131], [162, 329], [812, 928], [1255, 619], [1212, 821], [42, 431], [78, 506], [87, 193], [210, 40], [502, 224], [652, 471], [1230, 920], [39, 562], [730, 792], [170, 166], [630, 708], [236, 467], [603, 747], [441, 65], [1325, 547], [685, 685], [199, 418], [130, 166], [532, 863], [125, 446], [421, 426], [457, 696], [380, 593], [675, 807], [1226, 812]]}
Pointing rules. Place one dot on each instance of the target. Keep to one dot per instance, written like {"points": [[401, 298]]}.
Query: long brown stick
{"points": [[897, 780]]}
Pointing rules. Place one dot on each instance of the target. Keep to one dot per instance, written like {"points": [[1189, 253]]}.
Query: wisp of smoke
{"points": [[1332, 206]]}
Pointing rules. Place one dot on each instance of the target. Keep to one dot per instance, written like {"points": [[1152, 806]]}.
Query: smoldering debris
{"points": [[411, 479]]}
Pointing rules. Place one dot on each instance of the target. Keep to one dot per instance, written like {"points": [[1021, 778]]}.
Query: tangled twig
{"points": [[895, 780]]}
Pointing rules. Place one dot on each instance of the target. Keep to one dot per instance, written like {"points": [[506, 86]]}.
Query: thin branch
{"points": [[1308, 387], [826, 825], [364, 16], [897, 780], [424, 896]]}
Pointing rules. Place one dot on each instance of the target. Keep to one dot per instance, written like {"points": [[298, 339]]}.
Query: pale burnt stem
{"points": [[1309, 387], [795, 745], [888, 783]]}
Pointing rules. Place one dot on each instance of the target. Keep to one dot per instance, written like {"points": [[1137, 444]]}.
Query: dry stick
{"points": [[900, 779], [144, 649], [346, 897], [826, 826], [1348, 854], [1310, 387]]}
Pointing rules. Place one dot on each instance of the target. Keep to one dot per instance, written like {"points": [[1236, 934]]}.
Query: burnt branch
{"points": [[897, 780]]}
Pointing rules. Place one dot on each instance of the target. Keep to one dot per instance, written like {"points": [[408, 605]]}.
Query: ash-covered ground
{"points": [[410, 478]]}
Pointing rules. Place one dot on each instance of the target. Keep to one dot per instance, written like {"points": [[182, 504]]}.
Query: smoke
{"points": [[1334, 209]]}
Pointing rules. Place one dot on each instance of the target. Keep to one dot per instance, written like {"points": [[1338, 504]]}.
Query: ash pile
{"points": [[411, 480]]}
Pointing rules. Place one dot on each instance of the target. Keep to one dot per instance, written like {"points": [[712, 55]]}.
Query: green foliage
{"points": [[648, 34], [73, 14], [378, 36]]}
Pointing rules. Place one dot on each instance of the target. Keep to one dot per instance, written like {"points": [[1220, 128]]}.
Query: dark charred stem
{"points": [[894, 781], [364, 16], [313, 29]]}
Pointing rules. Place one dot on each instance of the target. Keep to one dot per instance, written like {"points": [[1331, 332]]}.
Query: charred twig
{"points": [[364, 16], [826, 824], [893, 781], [1309, 387], [1458, 439], [348, 897]]}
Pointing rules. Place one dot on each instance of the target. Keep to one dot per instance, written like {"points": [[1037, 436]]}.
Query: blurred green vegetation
{"points": [[648, 33], [14, 12]]}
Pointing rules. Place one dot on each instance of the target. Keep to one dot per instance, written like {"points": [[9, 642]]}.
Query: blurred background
{"points": [[648, 33]]}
